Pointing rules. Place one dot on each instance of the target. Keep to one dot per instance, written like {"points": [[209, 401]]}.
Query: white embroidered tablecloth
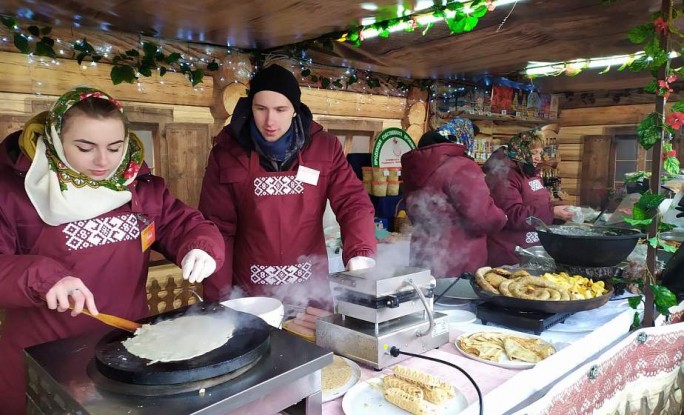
{"points": [[640, 374]]}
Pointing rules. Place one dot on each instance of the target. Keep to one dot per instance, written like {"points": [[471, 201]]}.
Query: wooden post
{"points": [[656, 169], [415, 117]]}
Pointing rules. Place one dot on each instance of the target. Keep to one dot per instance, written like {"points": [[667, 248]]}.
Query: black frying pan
{"points": [[541, 305], [593, 246], [250, 341]]}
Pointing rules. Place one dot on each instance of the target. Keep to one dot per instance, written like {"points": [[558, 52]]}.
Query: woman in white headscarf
{"points": [[79, 211]]}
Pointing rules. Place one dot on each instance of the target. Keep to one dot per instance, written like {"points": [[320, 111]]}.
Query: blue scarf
{"points": [[277, 150]]}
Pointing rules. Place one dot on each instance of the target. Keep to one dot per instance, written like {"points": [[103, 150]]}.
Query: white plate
{"points": [[503, 360], [459, 317], [366, 398], [355, 376]]}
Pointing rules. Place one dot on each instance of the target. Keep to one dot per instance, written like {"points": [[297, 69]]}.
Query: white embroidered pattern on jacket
{"points": [[84, 234], [280, 274], [535, 185], [277, 186], [531, 237]]}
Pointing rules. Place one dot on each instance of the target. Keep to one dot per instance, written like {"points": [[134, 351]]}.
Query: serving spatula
{"points": [[110, 320], [114, 321]]}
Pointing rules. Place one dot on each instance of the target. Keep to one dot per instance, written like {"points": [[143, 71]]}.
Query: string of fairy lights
{"points": [[233, 61], [236, 62], [466, 12]]}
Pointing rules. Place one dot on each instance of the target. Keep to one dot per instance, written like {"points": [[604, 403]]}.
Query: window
{"points": [[147, 134], [354, 141], [356, 135], [629, 157], [146, 137]]}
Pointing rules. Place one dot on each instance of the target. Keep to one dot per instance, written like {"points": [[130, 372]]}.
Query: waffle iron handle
{"points": [[427, 308]]}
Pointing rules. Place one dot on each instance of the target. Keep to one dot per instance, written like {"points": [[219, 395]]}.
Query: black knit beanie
{"points": [[278, 79], [433, 137]]}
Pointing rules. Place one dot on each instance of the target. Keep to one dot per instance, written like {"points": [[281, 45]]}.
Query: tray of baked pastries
{"points": [[549, 292]]}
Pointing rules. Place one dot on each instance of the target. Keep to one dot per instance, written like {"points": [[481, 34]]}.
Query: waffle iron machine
{"points": [[375, 310]]}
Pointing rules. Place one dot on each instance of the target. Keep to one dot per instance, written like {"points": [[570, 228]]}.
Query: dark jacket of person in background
{"points": [[448, 202]]}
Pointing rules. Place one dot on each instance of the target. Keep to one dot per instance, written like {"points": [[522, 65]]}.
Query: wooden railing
{"points": [[167, 290]]}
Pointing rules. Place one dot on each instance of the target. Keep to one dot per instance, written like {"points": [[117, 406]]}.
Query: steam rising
{"points": [[315, 291], [428, 247], [498, 167], [392, 258], [439, 220]]}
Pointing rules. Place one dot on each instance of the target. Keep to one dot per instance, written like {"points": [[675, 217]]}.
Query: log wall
{"points": [[23, 74], [579, 122]]}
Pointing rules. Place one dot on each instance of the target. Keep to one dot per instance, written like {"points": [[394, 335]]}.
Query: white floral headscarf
{"points": [[60, 193]]}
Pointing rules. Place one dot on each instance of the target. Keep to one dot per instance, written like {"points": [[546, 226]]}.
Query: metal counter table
{"points": [[58, 383]]}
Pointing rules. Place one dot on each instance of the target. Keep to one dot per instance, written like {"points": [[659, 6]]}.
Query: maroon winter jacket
{"points": [[520, 196], [105, 252], [272, 223], [451, 210]]}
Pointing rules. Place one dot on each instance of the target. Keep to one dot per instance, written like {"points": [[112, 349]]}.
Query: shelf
{"points": [[505, 118]]}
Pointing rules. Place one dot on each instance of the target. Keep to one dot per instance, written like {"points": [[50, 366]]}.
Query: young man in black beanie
{"points": [[266, 185]]}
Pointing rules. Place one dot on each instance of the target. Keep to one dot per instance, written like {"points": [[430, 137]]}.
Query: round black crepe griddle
{"points": [[250, 341]]}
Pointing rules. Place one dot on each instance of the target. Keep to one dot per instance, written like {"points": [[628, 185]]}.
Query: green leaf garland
{"points": [[664, 298], [649, 130], [671, 165]]}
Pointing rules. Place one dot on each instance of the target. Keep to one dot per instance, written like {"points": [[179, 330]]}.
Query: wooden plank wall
{"points": [[16, 108], [578, 122], [570, 149], [21, 76]]}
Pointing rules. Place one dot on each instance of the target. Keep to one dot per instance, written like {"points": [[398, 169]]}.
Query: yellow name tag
{"points": [[147, 236]]}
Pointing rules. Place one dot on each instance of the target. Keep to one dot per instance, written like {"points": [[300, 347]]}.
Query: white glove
{"points": [[360, 262], [197, 265]]}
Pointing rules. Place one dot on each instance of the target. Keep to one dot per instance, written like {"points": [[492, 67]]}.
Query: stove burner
{"points": [[534, 321], [287, 373]]}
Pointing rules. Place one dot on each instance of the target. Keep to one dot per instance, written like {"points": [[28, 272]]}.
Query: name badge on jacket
{"points": [[535, 185], [148, 235], [307, 175]]}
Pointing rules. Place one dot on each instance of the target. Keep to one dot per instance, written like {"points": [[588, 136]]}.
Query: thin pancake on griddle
{"points": [[180, 339]]}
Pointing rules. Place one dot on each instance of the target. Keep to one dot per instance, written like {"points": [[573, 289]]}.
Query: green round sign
{"points": [[389, 146]]}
